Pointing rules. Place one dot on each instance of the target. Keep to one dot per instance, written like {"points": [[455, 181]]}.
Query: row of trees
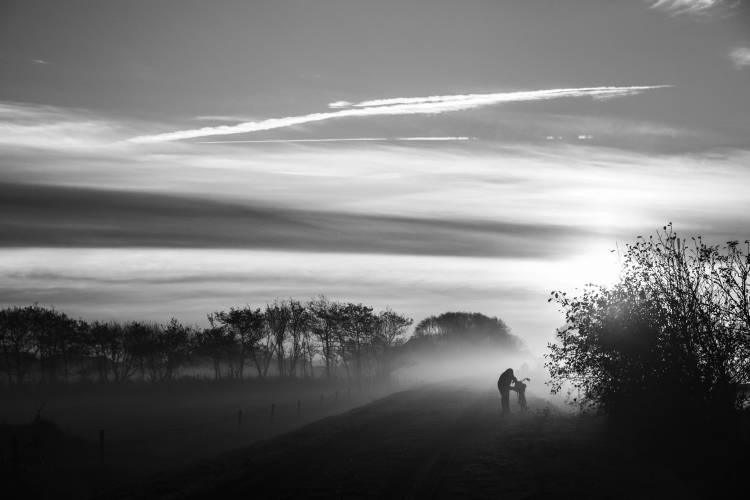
{"points": [[285, 338], [673, 335], [292, 335]]}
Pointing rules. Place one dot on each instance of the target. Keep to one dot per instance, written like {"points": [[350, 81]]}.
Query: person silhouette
{"points": [[503, 385]]}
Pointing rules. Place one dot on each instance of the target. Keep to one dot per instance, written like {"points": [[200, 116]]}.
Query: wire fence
{"points": [[128, 445], [114, 443]]}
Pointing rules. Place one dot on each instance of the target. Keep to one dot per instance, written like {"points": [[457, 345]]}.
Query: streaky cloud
{"points": [[222, 118], [339, 104], [693, 7], [531, 95], [342, 139], [399, 106], [39, 215]]}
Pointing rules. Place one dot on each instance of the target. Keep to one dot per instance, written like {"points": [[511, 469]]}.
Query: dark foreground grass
{"points": [[50, 436], [438, 441], [449, 441]]}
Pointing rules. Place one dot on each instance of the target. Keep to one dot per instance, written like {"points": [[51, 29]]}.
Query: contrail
{"points": [[531, 95], [398, 106], [343, 139]]}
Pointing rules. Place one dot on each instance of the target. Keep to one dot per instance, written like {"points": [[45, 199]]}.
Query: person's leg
{"points": [[505, 400]]}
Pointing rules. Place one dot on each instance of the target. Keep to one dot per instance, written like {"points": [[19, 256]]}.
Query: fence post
{"points": [[101, 446], [273, 409]]}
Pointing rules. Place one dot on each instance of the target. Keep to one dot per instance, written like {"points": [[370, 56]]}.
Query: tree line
{"points": [[287, 338]]}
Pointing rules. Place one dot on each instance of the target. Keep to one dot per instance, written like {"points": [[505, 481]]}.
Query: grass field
{"points": [[148, 428], [438, 440], [450, 441]]}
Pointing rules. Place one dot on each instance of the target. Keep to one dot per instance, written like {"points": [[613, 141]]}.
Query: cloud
{"points": [[487, 99], [408, 199], [399, 106], [188, 283], [222, 118], [693, 7], [60, 216], [38, 127], [29, 132], [422, 227], [509, 178], [339, 104], [549, 181], [345, 139], [740, 56]]}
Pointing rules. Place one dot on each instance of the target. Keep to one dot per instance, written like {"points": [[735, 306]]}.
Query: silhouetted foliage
{"points": [[241, 333], [298, 324], [217, 343], [390, 335], [277, 319], [324, 325], [464, 327], [43, 343], [672, 337], [31, 333]]}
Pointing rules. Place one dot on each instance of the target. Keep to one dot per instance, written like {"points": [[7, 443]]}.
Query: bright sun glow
{"points": [[600, 267]]}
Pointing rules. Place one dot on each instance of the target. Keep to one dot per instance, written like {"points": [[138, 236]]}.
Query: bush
{"points": [[671, 338]]}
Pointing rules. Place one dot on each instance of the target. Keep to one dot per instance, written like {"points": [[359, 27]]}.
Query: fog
{"points": [[478, 367]]}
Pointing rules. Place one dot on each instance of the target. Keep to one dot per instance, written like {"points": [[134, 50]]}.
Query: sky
{"points": [[173, 158]]}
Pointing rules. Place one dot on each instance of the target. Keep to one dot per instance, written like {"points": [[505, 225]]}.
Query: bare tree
{"points": [[113, 345], [358, 332], [277, 320], [17, 344], [144, 338], [175, 343], [298, 325], [217, 343], [391, 330], [246, 326], [325, 322], [309, 348]]}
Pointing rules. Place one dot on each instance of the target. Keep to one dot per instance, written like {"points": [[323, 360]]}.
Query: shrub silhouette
{"points": [[671, 338]]}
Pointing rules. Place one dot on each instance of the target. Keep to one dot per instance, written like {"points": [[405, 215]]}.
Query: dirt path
{"points": [[446, 441]]}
